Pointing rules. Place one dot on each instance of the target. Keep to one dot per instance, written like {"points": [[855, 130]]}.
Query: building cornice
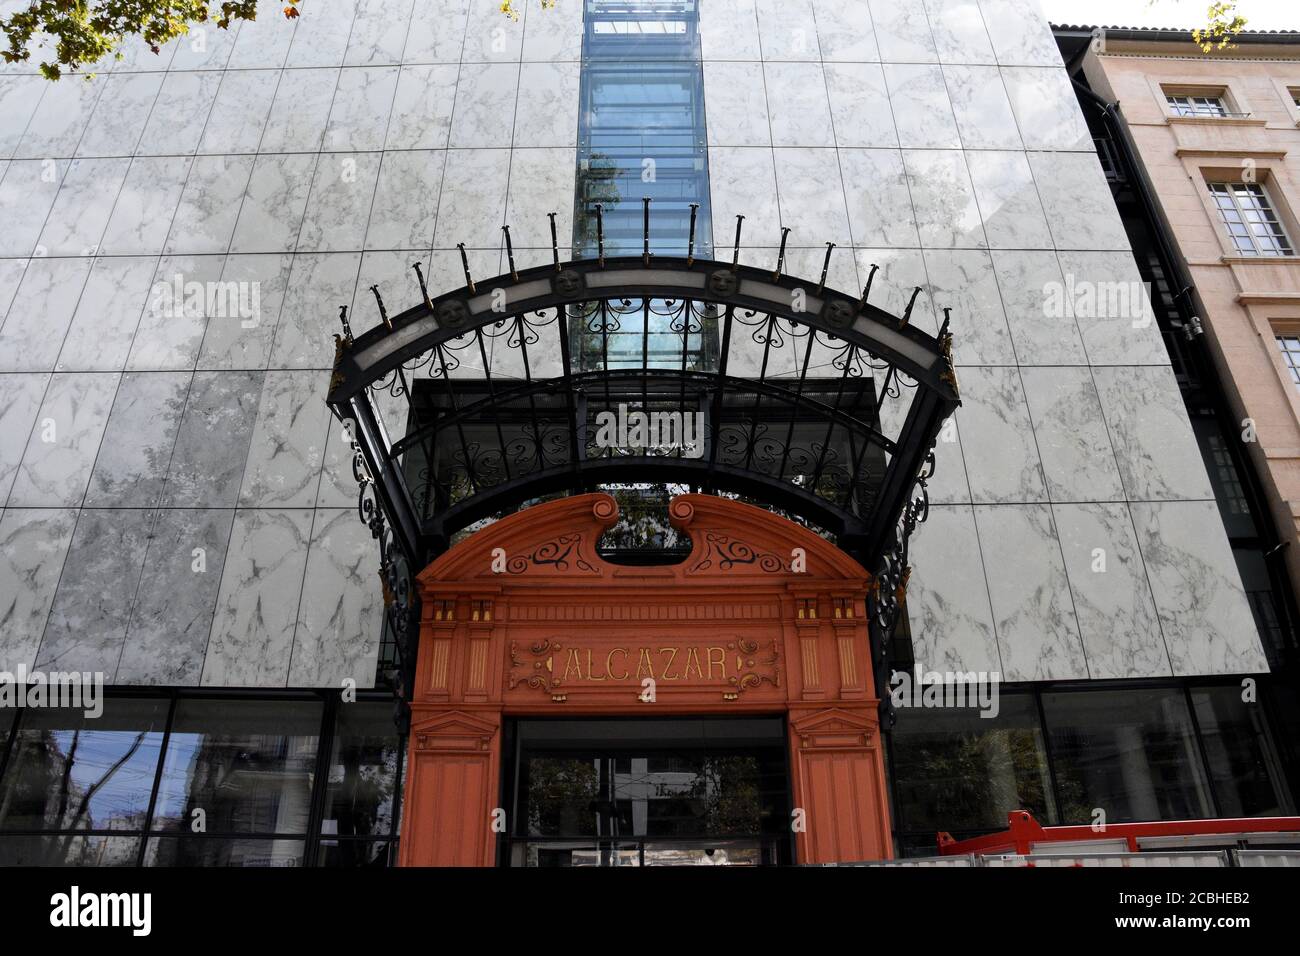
{"points": [[1211, 152], [1139, 54]]}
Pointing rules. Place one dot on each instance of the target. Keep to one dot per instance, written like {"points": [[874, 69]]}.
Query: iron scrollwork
{"points": [[891, 581], [394, 569], [895, 569]]}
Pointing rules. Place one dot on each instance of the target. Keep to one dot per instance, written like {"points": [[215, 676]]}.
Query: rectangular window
{"points": [[960, 772], [127, 786], [247, 766], [1190, 105], [1229, 492], [1130, 756], [70, 772], [1243, 763], [1251, 221], [360, 786], [1290, 346]]}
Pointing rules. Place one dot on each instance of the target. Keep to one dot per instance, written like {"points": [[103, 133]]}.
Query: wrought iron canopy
{"points": [[476, 401]]}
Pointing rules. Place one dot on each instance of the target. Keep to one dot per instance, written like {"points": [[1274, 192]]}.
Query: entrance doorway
{"points": [[572, 711], [647, 792]]}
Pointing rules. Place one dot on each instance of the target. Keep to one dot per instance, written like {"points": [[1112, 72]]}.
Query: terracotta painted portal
{"points": [[525, 619]]}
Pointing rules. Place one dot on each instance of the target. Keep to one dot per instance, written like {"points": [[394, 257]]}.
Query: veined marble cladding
{"points": [[1070, 489], [178, 507]]}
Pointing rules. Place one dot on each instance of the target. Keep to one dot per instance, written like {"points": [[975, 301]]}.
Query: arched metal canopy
{"points": [[503, 381], [477, 401]]}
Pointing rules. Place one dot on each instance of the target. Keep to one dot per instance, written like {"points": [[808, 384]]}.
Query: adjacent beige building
{"points": [[1219, 136]]}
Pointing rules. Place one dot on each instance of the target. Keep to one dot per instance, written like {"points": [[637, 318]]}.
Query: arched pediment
{"points": [[733, 538], [558, 540]]}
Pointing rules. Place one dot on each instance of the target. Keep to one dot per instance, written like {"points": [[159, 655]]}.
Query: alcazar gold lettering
{"points": [[667, 662]]}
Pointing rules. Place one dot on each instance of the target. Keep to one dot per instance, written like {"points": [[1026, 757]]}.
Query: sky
{"points": [[1259, 14]]}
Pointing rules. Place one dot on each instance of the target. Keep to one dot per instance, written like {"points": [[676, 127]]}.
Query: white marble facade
{"points": [[177, 503]]}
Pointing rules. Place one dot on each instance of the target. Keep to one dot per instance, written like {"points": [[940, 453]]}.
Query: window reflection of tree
{"points": [[643, 519], [561, 792], [41, 783], [59, 850], [972, 780], [726, 789], [597, 182]]}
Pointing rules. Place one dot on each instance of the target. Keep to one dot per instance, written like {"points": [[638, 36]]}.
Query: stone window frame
{"points": [[1271, 316], [1290, 356], [1246, 199], [1278, 320], [1288, 90], [1235, 102], [1269, 174]]}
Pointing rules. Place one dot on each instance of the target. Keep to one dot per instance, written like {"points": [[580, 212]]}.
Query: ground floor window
{"points": [[655, 792], [1245, 770], [1090, 754], [186, 778], [183, 780], [1122, 757], [955, 770]]}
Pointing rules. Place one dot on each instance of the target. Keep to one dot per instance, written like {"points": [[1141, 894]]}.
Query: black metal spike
{"points": [[735, 251], [947, 315], [510, 254], [383, 313], [690, 242], [862, 303], [780, 255], [645, 230], [347, 329], [464, 263], [826, 266], [424, 289], [907, 313], [600, 234], [555, 243]]}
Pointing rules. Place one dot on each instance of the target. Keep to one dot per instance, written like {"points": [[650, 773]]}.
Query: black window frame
{"points": [[921, 841], [313, 837]]}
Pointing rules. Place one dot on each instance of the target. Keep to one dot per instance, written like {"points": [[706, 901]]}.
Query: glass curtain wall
{"points": [[308, 780], [201, 781], [641, 128], [1157, 752], [641, 135]]}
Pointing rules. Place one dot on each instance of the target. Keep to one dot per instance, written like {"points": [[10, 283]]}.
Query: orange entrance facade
{"points": [[525, 620]]}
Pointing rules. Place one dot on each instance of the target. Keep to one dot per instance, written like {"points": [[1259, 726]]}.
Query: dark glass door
{"points": [[657, 792]]}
